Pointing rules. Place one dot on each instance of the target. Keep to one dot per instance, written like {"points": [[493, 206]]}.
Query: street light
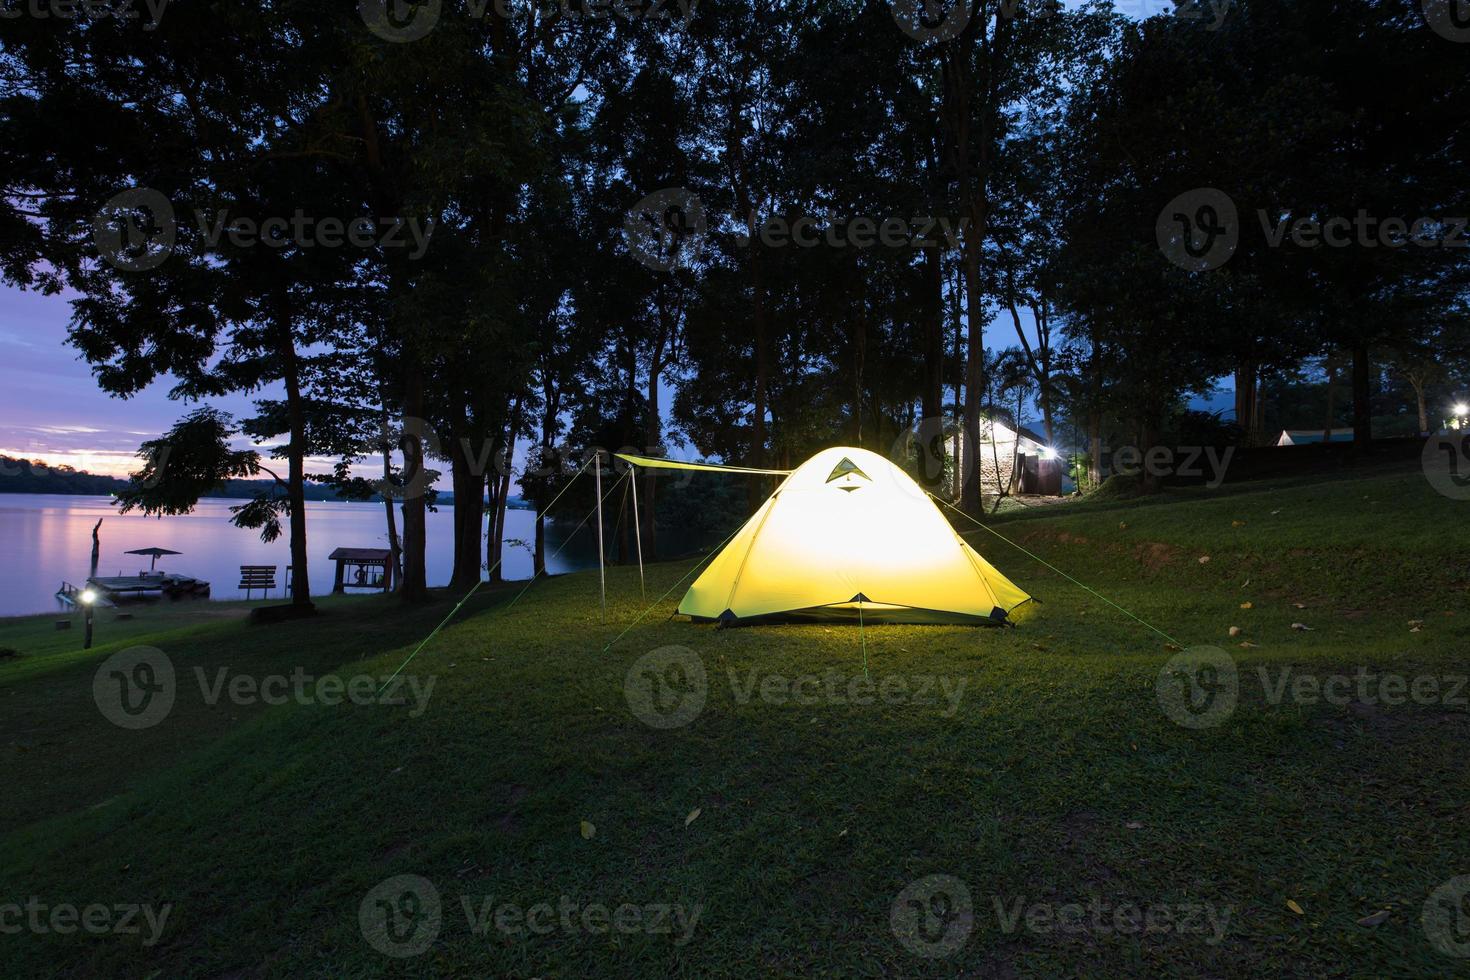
{"points": [[89, 601]]}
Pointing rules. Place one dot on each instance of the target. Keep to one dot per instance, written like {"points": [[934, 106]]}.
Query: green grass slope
{"points": [[795, 820]]}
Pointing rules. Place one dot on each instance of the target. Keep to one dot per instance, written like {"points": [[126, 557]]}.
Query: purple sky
{"points": [[51, 408]]}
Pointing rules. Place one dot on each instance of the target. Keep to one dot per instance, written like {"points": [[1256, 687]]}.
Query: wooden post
{"points": [[337, 584]]}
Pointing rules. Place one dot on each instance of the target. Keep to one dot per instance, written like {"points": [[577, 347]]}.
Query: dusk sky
{"points": [[51, 408]]}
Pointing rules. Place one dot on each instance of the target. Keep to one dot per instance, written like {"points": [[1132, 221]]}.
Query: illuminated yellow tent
{"points": [[849, 535]]}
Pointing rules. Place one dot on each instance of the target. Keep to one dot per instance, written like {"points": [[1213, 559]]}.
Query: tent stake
{"points": [[601, 569], [637, 532]]}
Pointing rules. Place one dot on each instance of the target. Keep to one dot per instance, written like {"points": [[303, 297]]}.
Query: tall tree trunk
{"points": [[469, 514], [1362, 400], [296, 478], [654, 436], [1331, 421], [1245, 400], [1094, 446], [1423, 405], [415, 511], [960, 462], [395, 548], [974, 375], [859, 357], [930, 428]]}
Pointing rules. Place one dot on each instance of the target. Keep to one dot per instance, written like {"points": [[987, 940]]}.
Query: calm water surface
{"points": [[47, 538]]}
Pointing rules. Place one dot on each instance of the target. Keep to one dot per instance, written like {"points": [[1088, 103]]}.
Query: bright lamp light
{"points": [[1462, 409], [88, 596]]}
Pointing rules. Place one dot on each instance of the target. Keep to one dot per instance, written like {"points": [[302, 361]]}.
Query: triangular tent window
{"points": [[846, 468]]}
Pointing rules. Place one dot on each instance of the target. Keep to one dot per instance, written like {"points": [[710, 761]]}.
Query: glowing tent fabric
{"points": [[848, 534]]}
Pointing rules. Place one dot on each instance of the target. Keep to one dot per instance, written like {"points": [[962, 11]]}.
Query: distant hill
{"points": [[33, 476]]}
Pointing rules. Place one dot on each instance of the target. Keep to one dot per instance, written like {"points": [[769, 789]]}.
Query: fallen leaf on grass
{"points": [[1235, 631], [1302, 627], [1291, 904], [1376, 919], [1204, 559], [1247, 645], [588, 831], [1237, 523], [1300, 605], [1172, 647], [1133, 825], [1247, 605], [693, 816]]}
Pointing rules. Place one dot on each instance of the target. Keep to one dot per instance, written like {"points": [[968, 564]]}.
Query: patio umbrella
{"points": [[155, 554]]}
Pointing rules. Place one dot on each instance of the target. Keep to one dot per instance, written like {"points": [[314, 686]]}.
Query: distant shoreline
{"points": [[325, 497]]}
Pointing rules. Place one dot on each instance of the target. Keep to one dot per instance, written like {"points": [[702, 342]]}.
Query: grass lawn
{"points": [[997, 802]]}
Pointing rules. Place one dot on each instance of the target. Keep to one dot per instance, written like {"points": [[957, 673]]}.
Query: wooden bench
{"points": [[261, 577]]}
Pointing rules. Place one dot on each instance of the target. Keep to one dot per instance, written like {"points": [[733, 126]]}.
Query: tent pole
{"points": [[601, 570], [637, 531]]}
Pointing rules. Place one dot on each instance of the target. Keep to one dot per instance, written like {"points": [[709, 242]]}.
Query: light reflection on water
{"points": [[47, 538]]}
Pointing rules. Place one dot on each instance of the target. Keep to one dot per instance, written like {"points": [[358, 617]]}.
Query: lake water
{"points": [[47, 538]]}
